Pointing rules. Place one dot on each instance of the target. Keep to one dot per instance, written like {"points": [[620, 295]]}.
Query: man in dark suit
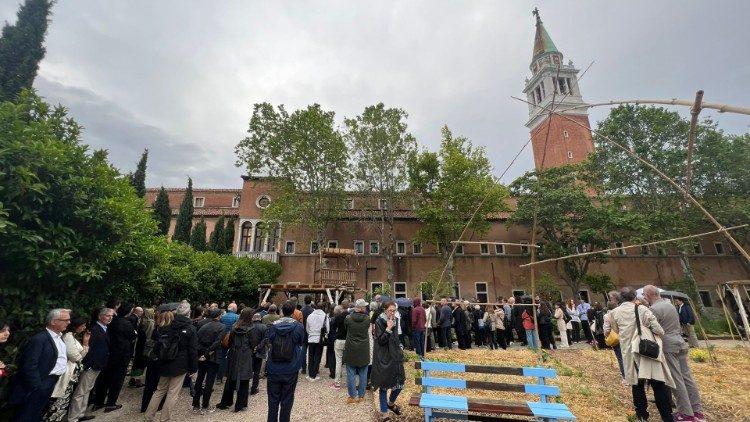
{"points": [[95, 361], [44, 359], [122, 334]]}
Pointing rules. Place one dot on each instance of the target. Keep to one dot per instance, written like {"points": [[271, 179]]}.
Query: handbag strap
{"points": [[637, 320]]}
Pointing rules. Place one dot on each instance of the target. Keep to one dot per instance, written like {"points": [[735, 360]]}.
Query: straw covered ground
{"points": [[590, 383]]}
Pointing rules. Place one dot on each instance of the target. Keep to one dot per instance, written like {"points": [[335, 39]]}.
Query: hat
{"points": [[167, 307], [360, 303], [257, 316]]}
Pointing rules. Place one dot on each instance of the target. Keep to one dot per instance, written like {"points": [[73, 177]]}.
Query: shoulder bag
{"points": [[613, 338], [646, 347]]}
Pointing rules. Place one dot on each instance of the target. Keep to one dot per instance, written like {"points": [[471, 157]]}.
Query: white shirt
{"points": [[61, 365], [104, 327]]}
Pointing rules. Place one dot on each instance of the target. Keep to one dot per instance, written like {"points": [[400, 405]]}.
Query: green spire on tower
{"points": [[542, 41]]}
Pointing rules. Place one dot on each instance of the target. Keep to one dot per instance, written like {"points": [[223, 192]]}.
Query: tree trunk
{"points": [[687, 269]]}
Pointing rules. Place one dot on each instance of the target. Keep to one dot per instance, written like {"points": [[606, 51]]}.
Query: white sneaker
{"points": [[196, 409], [307, 377]]}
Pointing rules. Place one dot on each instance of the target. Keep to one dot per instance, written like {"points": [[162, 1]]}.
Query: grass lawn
{"points": [[590, 382]]}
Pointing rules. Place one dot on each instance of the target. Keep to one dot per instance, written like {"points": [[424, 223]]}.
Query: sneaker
{"points": [[335, 386], [207, 410], [351, 400], [316, 379], [623, 382], [699, 416], [682, 417], [196, 409], [359, 399], [308, 378]]}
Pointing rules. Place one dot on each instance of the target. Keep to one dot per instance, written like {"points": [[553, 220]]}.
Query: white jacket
{"points": [[315, 323]]}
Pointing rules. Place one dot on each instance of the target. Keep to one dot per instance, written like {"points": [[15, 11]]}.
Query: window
{"points": [[314, 247], [481, 289], [620, 249], [645, 250], [274, 232], [199, 201], [289, 249], [376, 287], [383, 204], [456, 291], [416, 248], [246, 236], [570, 154], [484, 249], [541, 85], [349, 203], [258, 238], [500, 249], [524, 249], [359, 247], [517, 293], [374, 247], [333, 244], [719, 247], [584, 294], [399, 290], [459, 249], [565, 134], [236, 202], [400, 248], [263, 202], [698, 249], [705, 296]]}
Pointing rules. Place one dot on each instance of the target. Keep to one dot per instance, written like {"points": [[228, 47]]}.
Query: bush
{"points": [[698, 355]]}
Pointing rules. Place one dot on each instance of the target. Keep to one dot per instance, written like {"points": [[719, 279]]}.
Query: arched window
{"points": [[246, 236], [273, 236], [259, 237]]}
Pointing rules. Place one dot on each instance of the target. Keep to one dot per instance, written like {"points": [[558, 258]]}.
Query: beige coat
{"points": [[76, 352], [637, 366], [560, 317]]}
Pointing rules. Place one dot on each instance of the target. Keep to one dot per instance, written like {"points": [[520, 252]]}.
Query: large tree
{"points": [[307, 155], [138, 178], [185, 216], [229, 235], [380, 150], [21, 48], [198, 236], [217, 241], [453, 189], [570, 220], [161, 211]]}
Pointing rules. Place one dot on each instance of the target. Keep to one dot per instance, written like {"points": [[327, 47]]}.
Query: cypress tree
{"points": [[217, 240], [21, 48], [229, 234], [162, 212], [198, 236], [138, 179], [185, 217]]}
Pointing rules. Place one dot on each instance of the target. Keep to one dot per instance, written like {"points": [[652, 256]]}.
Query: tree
{"points": [[453, 189], [380, 149], [307, 156], [229, 235], [21, 48], [599, 283], [569, 219], [198, 236], [138, 178], [185, 217], [217, 241], [162, 212]]}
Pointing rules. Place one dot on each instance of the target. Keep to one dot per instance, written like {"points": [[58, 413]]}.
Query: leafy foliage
{"points": [[162, 212], [185, 216], [599, 283], [21, 48], [229, 235], [217, 242], [138, 178], [198, 236]]}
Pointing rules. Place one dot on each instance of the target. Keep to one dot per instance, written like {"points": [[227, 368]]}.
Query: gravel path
{"points": [[313, 401]]}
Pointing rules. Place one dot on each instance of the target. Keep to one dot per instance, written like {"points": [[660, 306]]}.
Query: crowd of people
{"points": [[75, 368]]}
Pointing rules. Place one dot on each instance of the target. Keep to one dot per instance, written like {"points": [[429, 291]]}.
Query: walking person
{"points": [[357, 351], [561, 320], [177, 350], [418, 327], [209, 336], [634, 323], [285, 339], [66, 384], [240, 351], [339, 344], [687, 397], [317, 327], [93, 362], [388, 363]]}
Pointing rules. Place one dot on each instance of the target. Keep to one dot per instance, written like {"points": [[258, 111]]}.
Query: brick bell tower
{"points": [[567, 143]]}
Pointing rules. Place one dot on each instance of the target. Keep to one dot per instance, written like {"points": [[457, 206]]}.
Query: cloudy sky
{"points": [[180, 77]]}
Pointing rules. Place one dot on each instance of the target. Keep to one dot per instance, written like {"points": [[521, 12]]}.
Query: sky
{"points": [[181, 77]]}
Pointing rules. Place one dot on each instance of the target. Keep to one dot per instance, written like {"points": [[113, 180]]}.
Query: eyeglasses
{"points": [[64, 320]]}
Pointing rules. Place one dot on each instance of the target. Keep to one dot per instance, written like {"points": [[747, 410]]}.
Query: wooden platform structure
{"points": [[328, 278]]}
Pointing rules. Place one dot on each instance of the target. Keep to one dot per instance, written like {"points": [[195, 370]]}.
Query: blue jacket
{"points": [[446, 315], [228, 319], [686, 314], [286, 324], [37, 361], [98, 354]]}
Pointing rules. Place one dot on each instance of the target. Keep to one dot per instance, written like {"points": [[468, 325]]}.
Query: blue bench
{"points": [[445, 406]]}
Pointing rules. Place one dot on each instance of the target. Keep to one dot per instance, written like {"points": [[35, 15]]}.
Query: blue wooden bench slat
{"points": [[443, 366], [444, 382], [550, 410], [547, 390], [539, 372], [442, 401]]}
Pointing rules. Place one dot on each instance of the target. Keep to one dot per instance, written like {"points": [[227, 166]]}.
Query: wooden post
{"points": [[741, 306], [730, 322]]}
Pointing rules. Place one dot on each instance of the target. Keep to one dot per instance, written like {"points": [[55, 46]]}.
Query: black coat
{"points": [[186, 361], [98, 354], [210, 335], [387, 358], [240, 354], [121, 337], [459, 321], [37, 361]]}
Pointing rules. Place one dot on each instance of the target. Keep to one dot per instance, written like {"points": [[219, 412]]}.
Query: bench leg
{"points": [[428, 414]]}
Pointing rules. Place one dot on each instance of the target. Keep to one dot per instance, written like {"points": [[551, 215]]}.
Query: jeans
{"points": [[206, 372], [280, 388], [418, 340], [304, 355], [351, 372], [531, 339], [661, 396], [392, 399], [618, 355]]}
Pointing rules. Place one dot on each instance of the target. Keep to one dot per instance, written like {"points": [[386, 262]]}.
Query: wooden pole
{"points": [[741, 306], [694, 112], [726, 314]]}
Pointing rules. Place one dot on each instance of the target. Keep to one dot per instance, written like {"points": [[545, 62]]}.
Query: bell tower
{"points": [[567, 142]]}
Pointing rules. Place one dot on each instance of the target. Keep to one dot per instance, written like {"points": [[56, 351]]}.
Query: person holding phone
{"points": [[388, 362]]}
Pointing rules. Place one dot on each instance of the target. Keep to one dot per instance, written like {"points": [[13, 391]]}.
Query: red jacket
{"points": [[418, 316]]}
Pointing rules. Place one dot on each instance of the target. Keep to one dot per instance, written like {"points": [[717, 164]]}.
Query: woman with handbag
{"points": [[642, 357]]}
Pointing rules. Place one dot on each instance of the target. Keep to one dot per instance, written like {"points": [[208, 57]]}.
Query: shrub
{"points": [[698, 355]]}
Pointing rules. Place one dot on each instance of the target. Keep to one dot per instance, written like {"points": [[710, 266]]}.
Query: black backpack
{"points": [[168, 346], [282, 347]]}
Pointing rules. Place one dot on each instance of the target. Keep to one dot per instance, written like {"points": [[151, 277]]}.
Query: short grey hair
{"points": [[627, 294], [183, 308], [337, 309], [103, 311], [55, 314]]}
